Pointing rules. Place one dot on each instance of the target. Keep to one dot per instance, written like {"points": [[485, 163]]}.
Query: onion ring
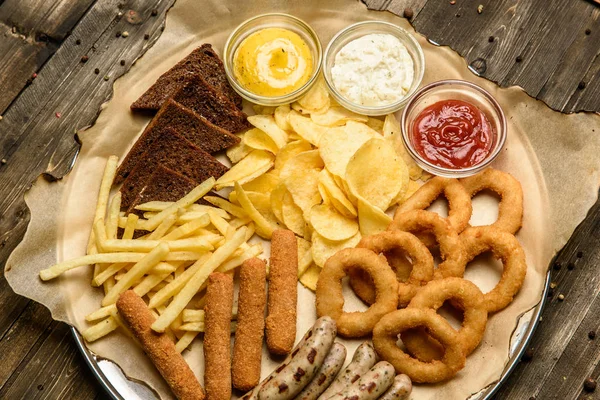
{"points": [[459, 201], [507, 249], [452, 249], [384, 242], [330, 300], [510, 208], [385, 336], [467, 297]]}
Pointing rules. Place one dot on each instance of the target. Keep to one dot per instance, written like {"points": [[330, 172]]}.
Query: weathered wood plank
{"points": [[53, 371], [23, 336], [561, 345], [549, 44], [42, 121], [31, 31]]}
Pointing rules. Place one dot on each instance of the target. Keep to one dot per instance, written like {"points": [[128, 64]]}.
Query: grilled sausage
{"points": [[306, 361], [331, 366], [371, 385], [400, 389], [363, 359]]}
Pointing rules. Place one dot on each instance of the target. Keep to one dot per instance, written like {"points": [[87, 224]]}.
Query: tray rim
{"points": [[486, 394]]}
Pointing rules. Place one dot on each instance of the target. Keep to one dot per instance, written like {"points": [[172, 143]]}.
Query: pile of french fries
{"points": [[183, 244]]}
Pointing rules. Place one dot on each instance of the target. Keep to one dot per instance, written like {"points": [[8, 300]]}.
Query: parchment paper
{"points": [[553, 155]]}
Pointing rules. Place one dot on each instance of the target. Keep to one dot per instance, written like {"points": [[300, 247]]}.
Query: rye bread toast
{"points": [[186, 123], [175, 153], [199, 96], [203, 61]]}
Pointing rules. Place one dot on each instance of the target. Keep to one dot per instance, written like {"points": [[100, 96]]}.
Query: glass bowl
{"points": [[454, 90], [356, 31], [272, 20]]}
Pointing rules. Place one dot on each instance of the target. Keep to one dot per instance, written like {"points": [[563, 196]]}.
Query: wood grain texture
{"points": [[39, 358], [31, 31]]}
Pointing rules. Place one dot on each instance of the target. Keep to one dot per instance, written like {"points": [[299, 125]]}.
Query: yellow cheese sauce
{"points": [[273, 62]]}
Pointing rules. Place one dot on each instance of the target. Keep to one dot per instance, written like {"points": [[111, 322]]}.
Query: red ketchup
{"points": [[452, 134]]}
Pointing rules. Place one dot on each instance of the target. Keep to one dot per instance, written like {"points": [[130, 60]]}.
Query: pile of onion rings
{"points": [[380, 274]]}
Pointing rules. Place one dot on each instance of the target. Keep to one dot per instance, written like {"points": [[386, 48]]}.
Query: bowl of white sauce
{"points": [[373, 67]]}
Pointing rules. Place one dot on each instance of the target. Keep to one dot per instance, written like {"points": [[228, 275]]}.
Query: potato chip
{"points": [[303, 185], [239, 151], [339, 145], [371, 219], [281, 117], [317, 97], [252, 166], [306, 128], [263, 109], [392, 132], [258, 140], [336, 195], [413, 186], [375, 124], [332, 225], [264, 183], [310, 277], [262, 203], [264, 227], [297, 107], [290, 150], [376, 173], [324, 194], [304, 255], [336, 116], [266, 123], [322, 248], [292, 215], [276, 199], [301, 161]]}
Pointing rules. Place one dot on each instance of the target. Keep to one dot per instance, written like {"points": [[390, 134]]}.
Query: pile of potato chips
{"points": [[326, 173]]}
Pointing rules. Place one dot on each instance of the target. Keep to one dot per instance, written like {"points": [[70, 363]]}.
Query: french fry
{"points": [[172, 288], [185, 201], [236, 223], [188, 228], [101, 313], [154, 206], [130, 225], [148, 283], [232, 209], [163, 227], [139, 224], [100, 235], [108, 285], [185, 341], [109, 258], [192, 315], [136, 273], [179, 271], [164, 268], [112, 219], [235, 262], [199, 327], [100, 329], [107, 180], [111, 270], [218, 222], [186, 294], [146, 245], [264, 227]]}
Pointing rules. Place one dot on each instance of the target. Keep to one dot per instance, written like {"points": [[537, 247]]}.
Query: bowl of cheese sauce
{"points": [[272, 59], [373, 67]]}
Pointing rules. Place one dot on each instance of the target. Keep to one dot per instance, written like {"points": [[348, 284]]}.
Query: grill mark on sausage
{"points": [[283, 387], [322, 379], [299, 374], [311, 355], [354, 378]]}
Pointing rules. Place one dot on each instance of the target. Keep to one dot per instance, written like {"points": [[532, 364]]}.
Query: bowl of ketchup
{"points": [[453, 128]]}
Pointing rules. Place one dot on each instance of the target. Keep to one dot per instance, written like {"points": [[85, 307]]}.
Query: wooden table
{"points": [[59, 58]]}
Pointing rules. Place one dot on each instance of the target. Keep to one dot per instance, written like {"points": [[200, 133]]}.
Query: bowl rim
{"points": [[448, 172], [228, 52], [404, 36]]}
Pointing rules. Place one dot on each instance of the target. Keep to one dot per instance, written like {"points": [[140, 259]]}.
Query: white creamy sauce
{"points": [[373, 70]]}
